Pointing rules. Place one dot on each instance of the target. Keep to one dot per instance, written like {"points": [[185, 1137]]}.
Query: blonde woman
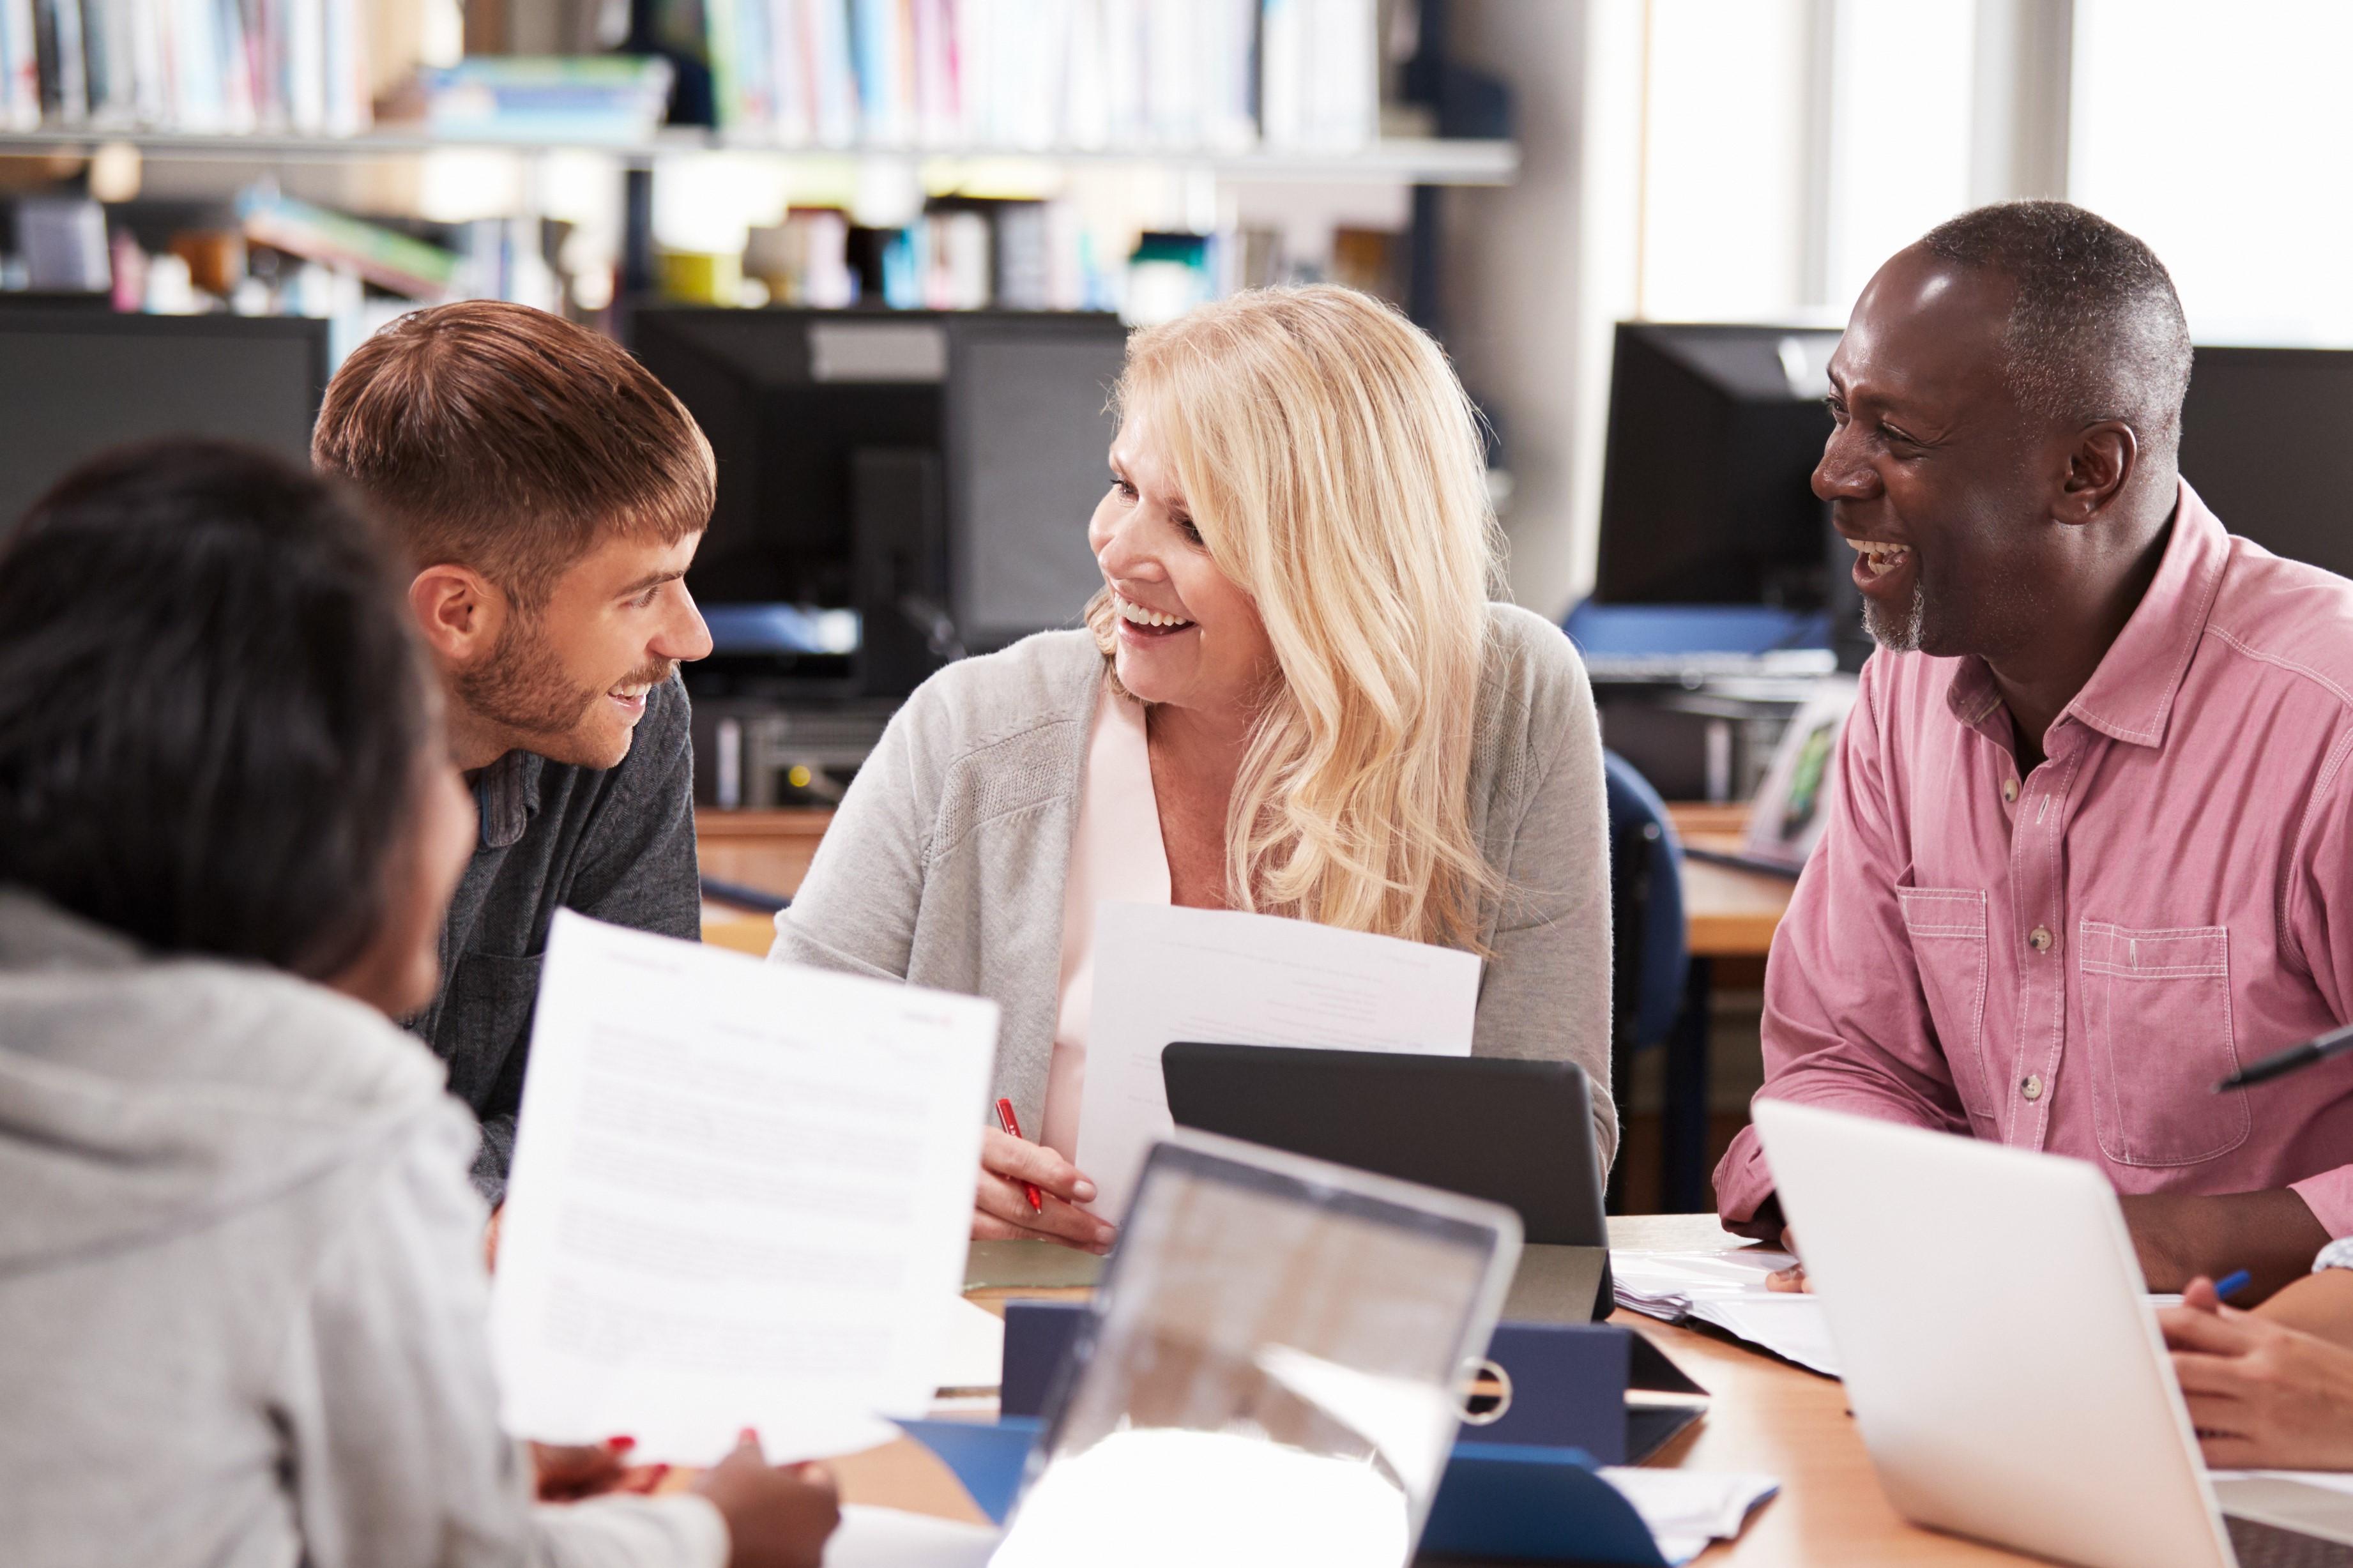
{"points": [[1293, 696]]}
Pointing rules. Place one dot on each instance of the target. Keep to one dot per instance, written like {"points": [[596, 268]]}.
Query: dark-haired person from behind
{"points": [[547, 495], [242, 1305]]}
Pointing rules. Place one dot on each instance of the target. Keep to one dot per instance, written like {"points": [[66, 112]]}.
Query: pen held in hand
{"points": [[1005, 1119], [2280, 1063]]}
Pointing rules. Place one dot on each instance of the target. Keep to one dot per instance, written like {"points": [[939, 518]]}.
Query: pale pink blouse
{"points": [[1116, 856]]}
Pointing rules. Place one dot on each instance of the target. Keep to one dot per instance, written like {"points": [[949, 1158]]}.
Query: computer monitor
{"points": [[932, 472], [1706, 492], [2264, 442], [74, 383]]}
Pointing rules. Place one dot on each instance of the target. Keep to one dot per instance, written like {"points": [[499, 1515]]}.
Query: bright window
{"points": [[2218, 134]]}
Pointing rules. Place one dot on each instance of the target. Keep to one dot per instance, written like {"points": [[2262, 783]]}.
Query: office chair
{"points": [[1649, 969]]}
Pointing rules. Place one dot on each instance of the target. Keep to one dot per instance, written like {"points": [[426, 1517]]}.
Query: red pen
{"points": [[1006, 1120]]}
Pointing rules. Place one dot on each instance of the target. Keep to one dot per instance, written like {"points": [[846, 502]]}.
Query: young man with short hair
{"points": [[549, 494]]}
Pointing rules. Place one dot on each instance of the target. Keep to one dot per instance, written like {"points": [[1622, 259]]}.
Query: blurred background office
{"points": [[886, 251]]}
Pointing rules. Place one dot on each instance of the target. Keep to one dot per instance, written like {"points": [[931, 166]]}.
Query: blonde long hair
{"points": [[1334, 467]]}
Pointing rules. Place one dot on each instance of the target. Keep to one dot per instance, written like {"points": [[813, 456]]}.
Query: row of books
{"points": [[966, 253], [961, 255], [214, 65], [1048, 75]]}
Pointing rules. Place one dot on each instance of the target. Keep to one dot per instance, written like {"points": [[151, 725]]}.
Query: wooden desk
{"points": [[1730, 913], [770, 850], [1727, 912], [1764, 1415]]}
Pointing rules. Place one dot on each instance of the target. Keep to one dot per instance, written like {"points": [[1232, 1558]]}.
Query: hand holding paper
{"points": [[740, 1198]]}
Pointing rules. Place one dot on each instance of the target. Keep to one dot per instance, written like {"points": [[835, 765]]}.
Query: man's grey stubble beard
{"points": [[1897, 629]]}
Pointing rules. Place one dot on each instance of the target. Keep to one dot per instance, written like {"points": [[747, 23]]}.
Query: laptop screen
{"points": [[1272, 1370]]}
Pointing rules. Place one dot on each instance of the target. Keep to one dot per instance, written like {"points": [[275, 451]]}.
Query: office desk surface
{"points": [[1764, 1415], [1728, 913]]}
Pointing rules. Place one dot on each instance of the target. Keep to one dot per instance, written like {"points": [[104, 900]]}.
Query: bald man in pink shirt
{"points": [[2092, 841]]}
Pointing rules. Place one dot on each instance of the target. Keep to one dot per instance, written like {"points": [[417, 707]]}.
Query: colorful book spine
{"points": [[20, 67], [385, 257]]}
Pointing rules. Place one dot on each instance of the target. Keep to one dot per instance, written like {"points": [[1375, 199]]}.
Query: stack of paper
{"points": [[1685, 1510], [1727, 1289]]}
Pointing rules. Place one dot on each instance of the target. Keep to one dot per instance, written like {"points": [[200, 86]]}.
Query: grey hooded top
{"points": [[242, 1302], [945, 864]]}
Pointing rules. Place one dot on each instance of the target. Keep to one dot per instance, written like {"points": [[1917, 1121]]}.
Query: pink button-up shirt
{"points": [[2070, 962]]}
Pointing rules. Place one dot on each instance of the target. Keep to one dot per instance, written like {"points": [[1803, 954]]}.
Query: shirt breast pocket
{"points": [[2156, 1013], [1947, 930], [487, 1016]]}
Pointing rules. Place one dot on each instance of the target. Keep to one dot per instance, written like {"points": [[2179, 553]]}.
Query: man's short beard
{"points": [[522, 685], [1896, 628]]}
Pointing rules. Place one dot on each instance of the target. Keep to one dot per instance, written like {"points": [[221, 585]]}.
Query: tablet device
{"points": [[1515, 1132], [1271, 1371]]}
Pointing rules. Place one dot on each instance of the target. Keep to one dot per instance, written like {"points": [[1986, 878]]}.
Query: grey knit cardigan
{"points": [[946, 863]]}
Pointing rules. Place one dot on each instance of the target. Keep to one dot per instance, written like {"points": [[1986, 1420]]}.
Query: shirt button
{"points": [[2009, 791], [2039, 938], [2032, 1087]]}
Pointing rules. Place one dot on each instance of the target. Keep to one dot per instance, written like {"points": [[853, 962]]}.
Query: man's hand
{"points": [[777, 1517], [2271, 1234], [2262, 1396], [1001, 1211], [1793, 1277], [569, 1474]]}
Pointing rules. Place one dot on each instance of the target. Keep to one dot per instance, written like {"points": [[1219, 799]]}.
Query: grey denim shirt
{"points": [[615, 844]]}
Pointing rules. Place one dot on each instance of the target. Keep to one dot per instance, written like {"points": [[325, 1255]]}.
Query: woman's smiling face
{"points": [[1189, 637]]}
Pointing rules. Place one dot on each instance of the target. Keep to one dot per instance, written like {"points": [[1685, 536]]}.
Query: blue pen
{"points": [[2231, 1284]]}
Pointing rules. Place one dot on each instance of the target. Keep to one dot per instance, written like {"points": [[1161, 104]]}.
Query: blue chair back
{"points": [[1646, 878]]}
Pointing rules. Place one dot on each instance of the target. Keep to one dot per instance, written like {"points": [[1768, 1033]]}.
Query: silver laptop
{"points": [[1272, 1371], [2003, 1361]]}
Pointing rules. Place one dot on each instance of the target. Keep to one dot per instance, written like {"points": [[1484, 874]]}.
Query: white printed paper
{"points": [[1728, 1288], [972, 1352], [1164, 973], [1684, 1510], [741, 1197], [888, 1538]]}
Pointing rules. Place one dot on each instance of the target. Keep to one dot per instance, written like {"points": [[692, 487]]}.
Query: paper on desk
{"points": [[888, 1538], [1685, 1510], [973, 1354], [1164, 973], [1727, 1289], [740, 1197], [2339, 1481]]}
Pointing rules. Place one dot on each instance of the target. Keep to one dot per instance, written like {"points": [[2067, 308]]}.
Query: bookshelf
{"points": [[1402, 161]]}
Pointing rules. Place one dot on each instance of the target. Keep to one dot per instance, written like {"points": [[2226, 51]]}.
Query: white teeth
{"points": [[1129, 611]]}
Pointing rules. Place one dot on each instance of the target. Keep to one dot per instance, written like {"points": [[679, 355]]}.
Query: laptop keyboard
{"points": [[2267, 1546]]}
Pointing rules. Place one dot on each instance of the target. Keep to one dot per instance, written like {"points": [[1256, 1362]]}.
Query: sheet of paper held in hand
{"points": [[1164, 973], [741, 1197]]}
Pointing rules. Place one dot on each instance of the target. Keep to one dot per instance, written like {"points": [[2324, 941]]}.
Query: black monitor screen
{"points": [[1706, 489], [73, 383], [912, 465], [2267, 442], [1029, 441]]}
